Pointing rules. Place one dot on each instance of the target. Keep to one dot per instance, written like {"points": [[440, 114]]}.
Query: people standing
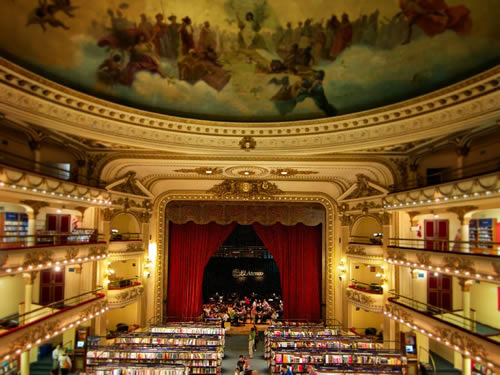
{"points": [[251, 342], [55, 357], [64, 363]]}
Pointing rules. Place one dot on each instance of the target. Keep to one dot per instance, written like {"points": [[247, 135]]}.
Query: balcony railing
{"points": [[46, 169], [125, 237], [121, 284], [449, 174], [49, 239], [456, 319], [366, 240], [373, 288], [461, 247], [17, 321]]}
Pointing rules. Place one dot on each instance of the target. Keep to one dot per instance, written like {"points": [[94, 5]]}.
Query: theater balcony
{"points": [[124, 292], [365, 248], [477, 340], [465, 259], [27, 330], [369, 297], [55, 251]]}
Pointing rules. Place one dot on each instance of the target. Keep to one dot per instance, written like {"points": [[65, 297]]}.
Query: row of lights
{"points": [[437, 270], [438, 200], [61, 195], [435, 337], [57, 265], [58, 332]]}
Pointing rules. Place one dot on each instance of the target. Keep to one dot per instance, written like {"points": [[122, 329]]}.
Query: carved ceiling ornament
{"points": [[33, 258], [245, 189], [35, 205], [399, 312], [288, 172], [202, 171], [71, 253], [246, 213], [396, 255], [128, 184], [98, 250], [247, 143], [134, 248], [355, 250], [459, 263], [356, 296], [3, 258], [461, 340], [424, 258], [461, 211]]}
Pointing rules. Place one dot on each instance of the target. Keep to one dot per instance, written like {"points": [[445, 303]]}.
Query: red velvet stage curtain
{"points": [[297, 252], [191, 246]]}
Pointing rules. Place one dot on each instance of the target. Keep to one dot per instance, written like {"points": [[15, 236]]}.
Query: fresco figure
{"points": [[140, 59], [146, 27], [249, 33], [174, 36], [434, 17], [207, 40], [110, 70], [160, 36], [187, 37], [343, 37], [309, 86], [45, 13]]}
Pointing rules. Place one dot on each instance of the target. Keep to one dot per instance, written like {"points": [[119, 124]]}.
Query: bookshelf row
{"points": [[127, 369], [329, 351], [199, 348]]}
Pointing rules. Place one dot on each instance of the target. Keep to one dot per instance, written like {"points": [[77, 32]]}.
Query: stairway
{"points": [[443, 367], [41, 367]]}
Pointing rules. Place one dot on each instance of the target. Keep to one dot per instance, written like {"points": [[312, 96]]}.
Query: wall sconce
{"points": [[342, 269], [148, 267]]}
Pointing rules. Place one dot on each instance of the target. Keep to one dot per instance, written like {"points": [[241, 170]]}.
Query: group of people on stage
{"points": [[246, 310]]}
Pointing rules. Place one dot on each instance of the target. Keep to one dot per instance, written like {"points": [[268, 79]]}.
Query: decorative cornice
{"points": [[202, 171], [245, 189], [289, 172], [162, 239], [29, 97], [123, 297]]}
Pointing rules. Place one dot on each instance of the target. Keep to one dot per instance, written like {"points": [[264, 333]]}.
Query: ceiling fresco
{"points": [[252, 60]]}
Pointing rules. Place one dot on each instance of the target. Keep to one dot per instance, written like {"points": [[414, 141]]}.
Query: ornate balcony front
{"points": [[451, 329], [50, 321], [365, 252], [458, 262], [126, 249], [122, 296], [28, 259], [368, 300]]}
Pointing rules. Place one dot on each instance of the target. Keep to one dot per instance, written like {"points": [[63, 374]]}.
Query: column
{"points": [[35, 147], [466, 365], [422, 347], [28, 298], [462, 152], [466, 286], [343, 275], [463, 234]]}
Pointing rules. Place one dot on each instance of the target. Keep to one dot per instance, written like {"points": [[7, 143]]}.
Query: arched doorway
{"points": [[295, 242], [241, 267]]}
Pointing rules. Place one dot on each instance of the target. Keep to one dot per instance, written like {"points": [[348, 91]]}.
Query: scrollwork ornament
{"points": [[355, 250], [37, 257], [424, 259], [71, 253]]}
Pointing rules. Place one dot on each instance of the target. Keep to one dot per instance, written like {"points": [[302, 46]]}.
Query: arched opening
{"points": [[125, 226], [295, 243], [242, 269], [366, 229]]}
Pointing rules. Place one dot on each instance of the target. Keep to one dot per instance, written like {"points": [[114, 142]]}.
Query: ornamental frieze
{"points": [[245, 189]]}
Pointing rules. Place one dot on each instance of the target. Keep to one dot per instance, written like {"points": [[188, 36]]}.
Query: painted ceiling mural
{"points": [[252, 60]]}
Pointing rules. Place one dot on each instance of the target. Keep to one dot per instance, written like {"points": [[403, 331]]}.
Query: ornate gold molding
{"points": [[355, 250], [202, 171], [162, 239], [365, 301], [245, 189], [289, 172]]}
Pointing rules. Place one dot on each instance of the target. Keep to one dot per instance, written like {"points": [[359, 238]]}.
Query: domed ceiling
{"points": [[252, 60]]}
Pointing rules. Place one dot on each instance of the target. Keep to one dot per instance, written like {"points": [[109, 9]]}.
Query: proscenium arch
{"points": [[331, 256]]}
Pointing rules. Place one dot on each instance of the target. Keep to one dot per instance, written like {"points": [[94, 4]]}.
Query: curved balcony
{"points": [[23, 331], [369, 249], [39, 252], [124, 292], [126, 246], [476, 339], [472, 260], [365, 296]]}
